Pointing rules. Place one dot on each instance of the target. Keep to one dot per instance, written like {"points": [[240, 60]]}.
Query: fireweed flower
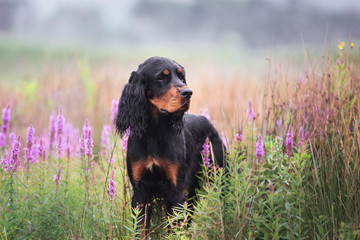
{"points": [[125, 138], [2, 139], [5, 125], [12, 137], [5, 119], [114, 108], [29, 144], [41, 150], [271, 188], [87, 143], [52, 129], [5, 160], [238, 137], [57, 177], [259, 151], [250, 112], [289, 142], [206, 153], [112, 183], [14, 161], [60, 122], [105, 138]]}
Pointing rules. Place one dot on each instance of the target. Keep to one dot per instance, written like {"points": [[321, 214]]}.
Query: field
{"points": [[293, 147]]}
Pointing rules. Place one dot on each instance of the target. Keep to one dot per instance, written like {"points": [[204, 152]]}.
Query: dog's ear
{"points": [[132, 108]]}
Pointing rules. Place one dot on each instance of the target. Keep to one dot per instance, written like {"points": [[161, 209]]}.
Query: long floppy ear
{"points": [[132, 108]]}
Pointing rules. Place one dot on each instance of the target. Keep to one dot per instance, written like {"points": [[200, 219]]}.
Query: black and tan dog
{"points": [[164, 146]]}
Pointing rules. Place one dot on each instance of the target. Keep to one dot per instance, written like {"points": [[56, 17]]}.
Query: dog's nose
{"points": [[186, 93]]}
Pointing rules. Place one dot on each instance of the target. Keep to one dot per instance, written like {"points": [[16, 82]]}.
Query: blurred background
{"points": [[79, 54]]}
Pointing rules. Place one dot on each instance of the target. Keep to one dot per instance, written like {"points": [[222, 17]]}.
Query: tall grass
{"points": [[306, 189]]}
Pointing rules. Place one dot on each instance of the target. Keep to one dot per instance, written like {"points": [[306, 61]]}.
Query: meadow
{"points": [[293, 149]]}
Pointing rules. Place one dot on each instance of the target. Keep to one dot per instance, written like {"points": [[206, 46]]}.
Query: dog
{"points": [[165, 143]]}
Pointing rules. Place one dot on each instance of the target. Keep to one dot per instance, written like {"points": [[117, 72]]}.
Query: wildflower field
{"points": [[292, 169]]}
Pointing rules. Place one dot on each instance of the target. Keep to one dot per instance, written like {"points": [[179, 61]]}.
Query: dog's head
{"points": [[158, 88]]}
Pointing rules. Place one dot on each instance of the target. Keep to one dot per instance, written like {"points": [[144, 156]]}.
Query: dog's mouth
{"points": [[183, 108]]}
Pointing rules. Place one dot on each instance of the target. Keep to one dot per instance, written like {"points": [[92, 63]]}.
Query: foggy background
{"points": [[252, 24]]}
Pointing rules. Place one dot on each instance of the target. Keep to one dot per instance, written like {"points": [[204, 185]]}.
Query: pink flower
{"points": [[289, 142], [259, 153], [14, 161], [52, 129], [125, 138], [105, 137], [250, 112], [5, 160], [29, 145], [114, 108], [87, 143], [60, 122], [5, 125], [238, 137], [112, 183], [206, 153], [57, 177], [271, 190], [5, 119]]}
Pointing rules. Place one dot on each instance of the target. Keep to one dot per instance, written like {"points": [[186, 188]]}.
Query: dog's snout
{"points": [[186, 93]]}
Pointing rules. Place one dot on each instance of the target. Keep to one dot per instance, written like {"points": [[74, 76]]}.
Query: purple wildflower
{"points": [[125, 138], [41, 150], [250, 112], [2, 139], [14, 162], [29, 144], [271, 188], [52, 129], [289, 142], [206, 153], [112, 183], [60, 122], [278, 124], [87, 143], [259, 150], [57, 177], [238, 137], [12, 137], [114, 108], [105, 138], [5, 160], [68, 151], [5, 125], [5, 119]]}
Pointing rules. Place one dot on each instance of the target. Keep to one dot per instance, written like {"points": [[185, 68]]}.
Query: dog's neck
{"points": [[165, 124]]}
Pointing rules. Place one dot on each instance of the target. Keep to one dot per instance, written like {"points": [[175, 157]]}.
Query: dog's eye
{"points": [[161, 78]]}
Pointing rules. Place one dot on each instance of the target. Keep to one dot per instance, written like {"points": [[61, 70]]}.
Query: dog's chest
{"points": [[169, 168]]}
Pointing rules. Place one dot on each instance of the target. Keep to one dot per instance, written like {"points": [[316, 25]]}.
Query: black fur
{"points": [[172, 138]]}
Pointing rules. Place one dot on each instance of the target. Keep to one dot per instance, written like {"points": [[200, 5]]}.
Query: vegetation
{"points": [[292, 165]]}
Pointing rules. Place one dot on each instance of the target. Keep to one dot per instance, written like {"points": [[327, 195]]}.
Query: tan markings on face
{"points": [[179, 70], [166, 72], [170, 101], [139, 168]]}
